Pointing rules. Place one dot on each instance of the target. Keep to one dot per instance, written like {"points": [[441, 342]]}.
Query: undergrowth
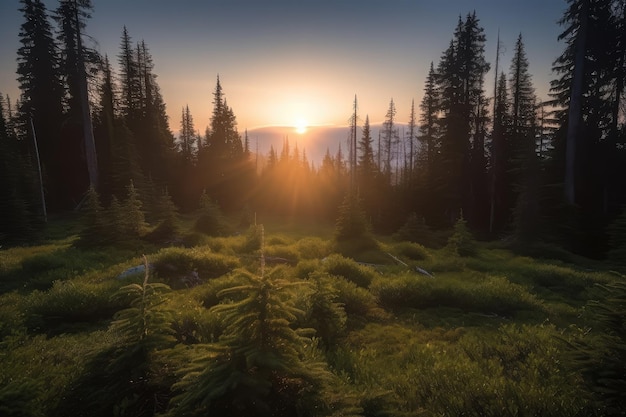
{"points": [[386, 327]]}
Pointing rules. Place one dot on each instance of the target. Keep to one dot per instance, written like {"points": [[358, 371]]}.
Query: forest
{"points": [[473, 265]]}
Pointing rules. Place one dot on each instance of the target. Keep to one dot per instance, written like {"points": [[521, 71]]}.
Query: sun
{"points": [[301, 126]]}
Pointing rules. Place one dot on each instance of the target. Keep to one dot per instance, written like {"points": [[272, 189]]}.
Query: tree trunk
{"points": [[575, 107]]}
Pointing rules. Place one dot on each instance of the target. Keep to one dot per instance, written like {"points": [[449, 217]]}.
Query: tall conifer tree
{"points": [[41, 97]]}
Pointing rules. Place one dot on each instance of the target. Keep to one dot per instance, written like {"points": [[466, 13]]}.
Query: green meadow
{"points": [[285, 319]]}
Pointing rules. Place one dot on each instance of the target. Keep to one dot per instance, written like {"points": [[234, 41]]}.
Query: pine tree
{"points": [[502, 196], [429, 145], [460, 77], [116, 148], [17, 223], [585, 157], [525, 162], [42, 97], [187, 137], [411, 135], [129, 80], [68, 14], [80, 167], [390, 140], [222, 157]]}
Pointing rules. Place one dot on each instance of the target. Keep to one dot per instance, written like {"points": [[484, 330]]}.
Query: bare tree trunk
{"points": [[90, 145], [494, 145]]}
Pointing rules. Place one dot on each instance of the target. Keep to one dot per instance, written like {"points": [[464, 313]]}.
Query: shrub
{"points": [[172, 262], [488, 295], [413, 251], [358, 303], [414, 230], [347, 268], [312, 248], [305, 268], [71, 302], [287, 253], [195, 239]]}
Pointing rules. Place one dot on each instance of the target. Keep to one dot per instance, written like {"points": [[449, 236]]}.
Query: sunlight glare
{"points": [[301, 126]]}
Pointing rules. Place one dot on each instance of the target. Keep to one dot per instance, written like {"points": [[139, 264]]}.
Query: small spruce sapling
{"points": [[94, 230], [133, 213], [462, 242]]}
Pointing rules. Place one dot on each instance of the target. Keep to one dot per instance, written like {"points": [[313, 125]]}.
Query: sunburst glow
{"points": [[301, 126]]}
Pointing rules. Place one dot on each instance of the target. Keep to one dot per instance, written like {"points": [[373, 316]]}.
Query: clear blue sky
{"points": [[280, 61]]}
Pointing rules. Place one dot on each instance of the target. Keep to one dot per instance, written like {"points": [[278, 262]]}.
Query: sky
{"points": [[291, 62]]}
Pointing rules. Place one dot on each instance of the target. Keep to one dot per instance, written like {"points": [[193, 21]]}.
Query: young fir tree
{"points": [[168, 225], [94, 224], [261, 365], [129, 378], [601, 354], [211, 220], [462, 243], [352, 226], [133, 214], [116, 222]]}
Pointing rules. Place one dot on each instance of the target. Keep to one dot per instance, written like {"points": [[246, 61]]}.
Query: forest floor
{"points": [[420, 330]]}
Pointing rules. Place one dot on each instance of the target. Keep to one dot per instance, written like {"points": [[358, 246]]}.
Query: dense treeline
{"points": [[508, 163]]}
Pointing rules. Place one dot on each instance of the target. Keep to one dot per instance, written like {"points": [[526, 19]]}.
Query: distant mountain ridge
{"points": [[315, 141]]}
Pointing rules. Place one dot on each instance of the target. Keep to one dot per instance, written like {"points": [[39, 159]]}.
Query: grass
{"points": [[482, 336]]}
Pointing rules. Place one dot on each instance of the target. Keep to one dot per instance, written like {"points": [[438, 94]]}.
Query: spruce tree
{"points": [[460, 76], [41, 101], [585, 156], [17, 220], [430, 144], [94, 223], [133, 214], [367, 171], [261, 365], [390, 139], [525, 163], [80, 164], [502, 195]]}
